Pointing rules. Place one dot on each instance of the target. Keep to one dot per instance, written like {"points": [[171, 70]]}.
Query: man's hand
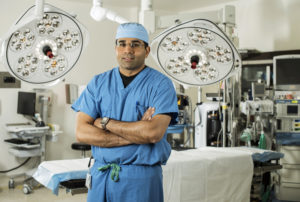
{"points": [[148, 114]]}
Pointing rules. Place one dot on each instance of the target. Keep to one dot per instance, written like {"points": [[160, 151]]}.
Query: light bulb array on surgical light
{"points": [[42, 49], [195, 53]]}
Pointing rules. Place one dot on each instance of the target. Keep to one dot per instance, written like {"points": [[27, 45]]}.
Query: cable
{"points": [[22, 164]]}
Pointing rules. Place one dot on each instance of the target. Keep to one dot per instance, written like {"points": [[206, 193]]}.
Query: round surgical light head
{"points": [[195, 53], [42, 50]]}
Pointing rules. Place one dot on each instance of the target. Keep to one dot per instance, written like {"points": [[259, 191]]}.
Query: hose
{"points": [[22, 164]]}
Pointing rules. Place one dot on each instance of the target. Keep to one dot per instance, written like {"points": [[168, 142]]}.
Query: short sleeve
{"points": [[165, 100], [87, 102]]}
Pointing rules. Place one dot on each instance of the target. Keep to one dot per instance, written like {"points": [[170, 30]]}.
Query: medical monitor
{"points": [[258, 90], [253, 72], [26, 103], [286, 72]]}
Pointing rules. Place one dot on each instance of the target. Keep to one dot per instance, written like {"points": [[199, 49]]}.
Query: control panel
{"points": [[287, 125], [287, 108], [287, 116]]}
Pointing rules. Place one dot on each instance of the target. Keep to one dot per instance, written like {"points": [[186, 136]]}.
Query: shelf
{"points": [[19, 143], [25, 146], [23, 153], [26, 128]]}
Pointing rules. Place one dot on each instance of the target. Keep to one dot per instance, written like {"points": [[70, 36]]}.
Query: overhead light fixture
{"points": [[99, 13], [43, 45], [195, 53]]}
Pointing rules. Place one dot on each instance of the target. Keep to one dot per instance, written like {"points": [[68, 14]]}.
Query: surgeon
{"points": [[124, 114]]}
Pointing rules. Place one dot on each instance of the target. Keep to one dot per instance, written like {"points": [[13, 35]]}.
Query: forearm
{"points": [[87, 133], [139, 132]]}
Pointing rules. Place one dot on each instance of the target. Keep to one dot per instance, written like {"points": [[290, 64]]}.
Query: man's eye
{"points": [[122, 44], [136, 45]]}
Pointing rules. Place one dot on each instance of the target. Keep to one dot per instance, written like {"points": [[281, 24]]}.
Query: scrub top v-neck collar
{"points": [[140, 75]]}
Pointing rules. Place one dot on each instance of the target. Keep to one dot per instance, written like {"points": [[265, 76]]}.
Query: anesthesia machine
{"points": [[270, 110]]}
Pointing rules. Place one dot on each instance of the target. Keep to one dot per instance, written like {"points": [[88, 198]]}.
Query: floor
{"points": [[39, 194]]}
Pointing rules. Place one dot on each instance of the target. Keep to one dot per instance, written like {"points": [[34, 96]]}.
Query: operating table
{"points": [[204, 174]]}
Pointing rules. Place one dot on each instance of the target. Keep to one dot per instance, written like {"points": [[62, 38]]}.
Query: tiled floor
{"points": [[40, 194]]}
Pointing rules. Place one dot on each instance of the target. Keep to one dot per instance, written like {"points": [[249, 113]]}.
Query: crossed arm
{"points": [[148, 130]]}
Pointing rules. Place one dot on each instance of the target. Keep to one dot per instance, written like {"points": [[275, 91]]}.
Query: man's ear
{"points": [[147, 51]]}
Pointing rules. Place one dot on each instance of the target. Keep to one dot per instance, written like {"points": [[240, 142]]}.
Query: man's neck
{"points": [[128, 73], [128, 79]]}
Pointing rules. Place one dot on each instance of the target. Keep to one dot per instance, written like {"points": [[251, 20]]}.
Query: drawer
{"points": [[288, 191], [290, 174], [291, 154]]}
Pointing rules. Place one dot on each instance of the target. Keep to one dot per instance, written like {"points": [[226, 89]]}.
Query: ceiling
{"points": [[172, 5]]}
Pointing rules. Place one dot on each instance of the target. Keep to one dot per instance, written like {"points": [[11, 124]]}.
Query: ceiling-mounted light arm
{"points": [[147, 17], [99, 13], [146, 5], [114, 17], [39, 9], [225, 15], [98, 3]]}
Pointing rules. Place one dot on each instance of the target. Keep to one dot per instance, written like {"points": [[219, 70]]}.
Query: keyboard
{"points": [[19, 143], [16, 141]]}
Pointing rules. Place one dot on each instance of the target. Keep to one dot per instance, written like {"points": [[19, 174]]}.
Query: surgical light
{"points": [[43, 45], [195, 53]]}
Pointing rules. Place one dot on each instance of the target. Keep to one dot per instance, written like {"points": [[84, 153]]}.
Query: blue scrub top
{"points": [[105, 96]]}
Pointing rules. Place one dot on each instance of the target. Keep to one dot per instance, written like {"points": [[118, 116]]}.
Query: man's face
{"points": [[131, 53]]}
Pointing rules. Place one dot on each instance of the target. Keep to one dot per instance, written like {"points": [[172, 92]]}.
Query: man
{"points": [[124, 113]]}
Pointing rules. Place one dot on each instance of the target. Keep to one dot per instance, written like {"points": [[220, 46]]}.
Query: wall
{"points": [[265, 25], [268, 25]]}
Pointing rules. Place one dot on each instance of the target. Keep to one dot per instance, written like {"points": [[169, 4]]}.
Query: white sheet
{"points": [[202, 175], [208, 175], [51, 173]]}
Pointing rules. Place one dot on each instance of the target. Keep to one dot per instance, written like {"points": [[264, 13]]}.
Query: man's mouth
{"points": [[128, 59]]}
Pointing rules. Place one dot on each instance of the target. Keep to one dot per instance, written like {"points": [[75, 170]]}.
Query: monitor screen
{"points": [[287, 71], [292, 109], [26, 103]]}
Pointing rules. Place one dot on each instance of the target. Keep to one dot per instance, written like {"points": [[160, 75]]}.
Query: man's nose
{"points": [[129, 48]]}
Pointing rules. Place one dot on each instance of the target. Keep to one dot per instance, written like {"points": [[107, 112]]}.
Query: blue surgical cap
{"points": [[132, 30]]}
